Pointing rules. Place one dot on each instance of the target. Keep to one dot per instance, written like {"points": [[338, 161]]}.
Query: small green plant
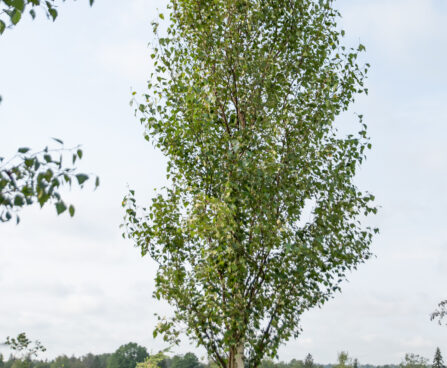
{"points": [[25, 349]]}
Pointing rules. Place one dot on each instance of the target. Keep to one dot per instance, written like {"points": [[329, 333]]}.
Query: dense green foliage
{"points": [[188, 360], [87, 361], [261, 220], [11, 11], [31, 177], [127, 356], [158, 360]]}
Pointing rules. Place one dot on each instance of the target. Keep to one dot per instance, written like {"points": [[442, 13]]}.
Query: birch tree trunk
{"points": [[236, 356]]}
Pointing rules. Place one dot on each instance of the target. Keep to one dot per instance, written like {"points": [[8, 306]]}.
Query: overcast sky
{"points": [[78, 287]]}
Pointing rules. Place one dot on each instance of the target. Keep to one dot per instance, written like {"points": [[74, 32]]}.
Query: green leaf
{"points": [[58, 140], [82, 178], [53, 13], [18, 4], [60, 207], [71, 210], [18, 201], [23, 150], [15, 16], [2, 28]]}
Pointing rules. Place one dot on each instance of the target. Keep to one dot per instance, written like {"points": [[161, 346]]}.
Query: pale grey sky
{"points": [[77, 286]]}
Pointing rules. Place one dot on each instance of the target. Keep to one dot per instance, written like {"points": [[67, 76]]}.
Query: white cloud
{"points": [[398, 28], [417, 342], [130, 59], [403, 19]]}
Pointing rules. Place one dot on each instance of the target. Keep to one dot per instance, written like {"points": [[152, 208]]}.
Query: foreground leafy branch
{"points": [[35, 177], [11, 11], [440, 313], [30, 177]]}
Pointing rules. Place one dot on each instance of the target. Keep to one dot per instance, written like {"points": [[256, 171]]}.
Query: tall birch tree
{"points": [[261, 220]]}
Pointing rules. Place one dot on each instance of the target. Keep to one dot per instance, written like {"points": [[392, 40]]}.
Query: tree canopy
{"points": [[261, 220], [127, 356], [189, 360]]}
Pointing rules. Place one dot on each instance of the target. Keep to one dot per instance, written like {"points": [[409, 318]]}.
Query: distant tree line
{"points": [[126, 356], [132, 355]]}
